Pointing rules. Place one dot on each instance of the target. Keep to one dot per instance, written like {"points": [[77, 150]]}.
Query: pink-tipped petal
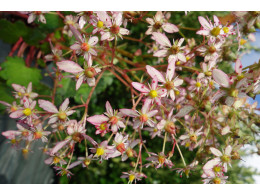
{"points": [[204, 23], [170, 70], [221, 78], [69, 66], [238, 66], [140, 87], [48, 106], [161, 39], [215, 151], [97, 119], [155, 73], [129, 112], [65, 104], [170, 28]]}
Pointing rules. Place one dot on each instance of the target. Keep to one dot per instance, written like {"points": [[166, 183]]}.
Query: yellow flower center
{"points": [[143, 118], [198, 84], [169, 85], [187, 144], [225, 29], [187, 58], [90, 72], [155, 130], [193, 138], [100, 151], [153, 93], [239, 77], [177, 92], [19, 93], [170, 127], [225, 158], [13, 141], [85, 46], [100, 24], [216, 169], [212, 49], [56, 159], [103, 126], [62, 116], [161, 159], [242, 41], [178, 62], [131, 177], [208, 73], [129, 152], [234, 92], [215, 31], [216, 180], [27, 111], [87, 162]]}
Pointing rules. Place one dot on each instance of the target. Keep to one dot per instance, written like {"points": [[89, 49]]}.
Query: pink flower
{"points": [[153, 93], [55, 159], [10, 107], [221, 158], [26, 112], [169, 83], [101, 22], [159, 23], [213, 31], [60, 115], [55, 56], [84, 46], [38, 132], [21, 91], [100, 122], [210, 51], [85, 161], [87, 74], [190, 139], [174, 51], [231, 90], [133, 176], [129, 152], [120, 143], [76, 131], [104, 151], [142, 117], [159, 160], [114, 29], [115, 118], [36, 14]]}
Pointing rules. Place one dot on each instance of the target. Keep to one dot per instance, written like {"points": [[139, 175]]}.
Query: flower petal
{"points": [[221, 78], [48, 106], [69, 66], [161, 39]]}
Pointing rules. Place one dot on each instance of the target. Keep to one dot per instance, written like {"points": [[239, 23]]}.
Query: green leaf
{"points": [[15, 71], [10, 32], [5, 96], [83, 92], [66, 89], [53, 22]]}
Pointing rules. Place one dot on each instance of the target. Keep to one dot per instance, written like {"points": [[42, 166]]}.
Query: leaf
{"points": [[5, 96], [10, 32], [185, 110], [66, 90], [53, 22], [15, 71], [83, 92]]}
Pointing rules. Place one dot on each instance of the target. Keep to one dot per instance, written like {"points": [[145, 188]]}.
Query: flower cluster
{"points": [[186, 105]]}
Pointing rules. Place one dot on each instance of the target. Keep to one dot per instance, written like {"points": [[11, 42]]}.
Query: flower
{"points": [[87, 74], [60, 115], [104, 151], [101, 22], [222, 158], [142, 117], [100, 122], [210, 51], [213, 31], [174, 51], [55, 56], [10, 107], [159, 160], [190, 139], [170, 84], [85, 161], [39, 133], [36, 14], [153, 93], [84, 46], [231, 90], [21, 91], [115, 118], [159, 23], [133, 176], [76, 131], [114, 30], [26, 111], [129, 152]]}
